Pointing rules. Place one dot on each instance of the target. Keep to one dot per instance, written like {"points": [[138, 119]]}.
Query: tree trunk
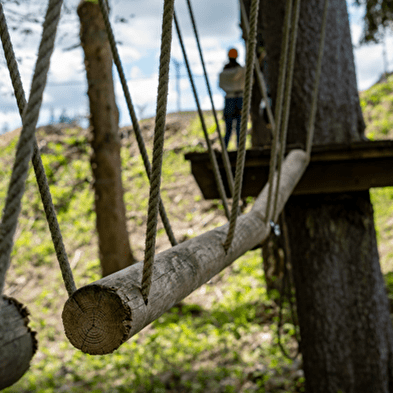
{"points": [[346, 332], [114, 246]]}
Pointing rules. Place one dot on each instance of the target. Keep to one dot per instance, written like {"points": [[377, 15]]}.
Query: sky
{"points": [[139, 38]]}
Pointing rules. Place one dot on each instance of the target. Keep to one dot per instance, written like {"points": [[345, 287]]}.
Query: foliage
{"points": [[377, 106], [379, 15]]}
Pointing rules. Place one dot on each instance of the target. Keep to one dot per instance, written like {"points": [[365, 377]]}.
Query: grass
{"points": [[222, 338]]}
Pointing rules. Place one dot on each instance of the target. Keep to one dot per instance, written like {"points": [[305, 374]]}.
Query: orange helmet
{"points": [[232, 53]]}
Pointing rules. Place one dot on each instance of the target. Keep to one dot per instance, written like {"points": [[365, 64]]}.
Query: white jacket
{"points": [[232, 81]]}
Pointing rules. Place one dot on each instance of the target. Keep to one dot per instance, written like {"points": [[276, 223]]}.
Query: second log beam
{"points": [[101, 316]]}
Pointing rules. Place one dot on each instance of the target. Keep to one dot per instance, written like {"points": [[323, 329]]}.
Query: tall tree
{"points": [[378, 16], [346, 331], [114, 245]]}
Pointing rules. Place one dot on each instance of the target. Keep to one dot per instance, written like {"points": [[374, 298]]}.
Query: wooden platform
{"points": [[333, 168]]}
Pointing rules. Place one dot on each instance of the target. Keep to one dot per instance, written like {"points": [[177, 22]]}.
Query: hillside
{"points": [[222, 338]]}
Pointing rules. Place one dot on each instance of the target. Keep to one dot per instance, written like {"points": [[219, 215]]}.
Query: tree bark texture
{"points": [[17, 341], [99, 317], [114, 246], [346, 332]]}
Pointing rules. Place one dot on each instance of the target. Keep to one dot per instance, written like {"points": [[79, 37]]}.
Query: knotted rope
{"points": [[158, 146], [212, 156], [37, 162], [224, 152], [26, 140], [135, 123], [241, 153]]}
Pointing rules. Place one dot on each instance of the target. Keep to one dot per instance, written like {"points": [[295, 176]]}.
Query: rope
{"points": [[212, 155], [287, 103], [241, 153], [279, 102], [26, 140], [258, 71], [135, 123], [287, 285], [37, 163], [311, 123], [158, 147], [224, 152]]}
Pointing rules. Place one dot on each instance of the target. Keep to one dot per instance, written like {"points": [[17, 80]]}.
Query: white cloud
{"points": [[217, 23], [218, 101]]}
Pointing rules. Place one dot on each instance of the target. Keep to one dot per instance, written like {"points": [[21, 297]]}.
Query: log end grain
{"points": [[18, 343], [96, 320]]}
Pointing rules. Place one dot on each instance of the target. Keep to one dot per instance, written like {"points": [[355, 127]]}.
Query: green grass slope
{"points": [[219, 339], [377, 106], [222, 338]]}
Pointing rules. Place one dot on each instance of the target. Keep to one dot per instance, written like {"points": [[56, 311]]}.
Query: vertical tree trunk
{"points": [[347, 336], [114, 246]]}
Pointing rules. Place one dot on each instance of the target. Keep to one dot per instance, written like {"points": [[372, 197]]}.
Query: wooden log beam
{"points": [[17, 341], [101, 316]]}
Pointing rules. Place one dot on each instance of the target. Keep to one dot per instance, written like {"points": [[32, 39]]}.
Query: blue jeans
{"points": [[232, 111]]}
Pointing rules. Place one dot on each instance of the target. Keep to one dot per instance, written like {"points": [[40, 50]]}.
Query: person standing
{"points": [[231, 80]]}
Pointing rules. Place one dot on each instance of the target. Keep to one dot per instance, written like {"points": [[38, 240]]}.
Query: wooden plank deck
{"points": [[333, 168]]}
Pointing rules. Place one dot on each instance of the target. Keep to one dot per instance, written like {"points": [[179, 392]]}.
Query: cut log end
{"points": [[96, 320], [18, 343]]}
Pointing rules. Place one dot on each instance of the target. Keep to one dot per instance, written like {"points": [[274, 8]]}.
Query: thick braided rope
{"points": [[258, 71], [313, 111], [158, 147], [37, 162], [26, 141], [212, 156], [287, 102], [279, 102], [135, 123], [241, 152], [224, 152]]}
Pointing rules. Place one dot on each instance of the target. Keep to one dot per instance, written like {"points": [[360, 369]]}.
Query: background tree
{"points": [[114, 246], [378, 16], [346, 332]]}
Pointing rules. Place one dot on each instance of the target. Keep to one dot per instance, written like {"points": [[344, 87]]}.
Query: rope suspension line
{"points": [[212, 155], [37, 162], [241, 153], [279, 102], [224, 152], [158, 146], [287, 100], [25, 146], [313, 111], [258, 71], [131, 110]]}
